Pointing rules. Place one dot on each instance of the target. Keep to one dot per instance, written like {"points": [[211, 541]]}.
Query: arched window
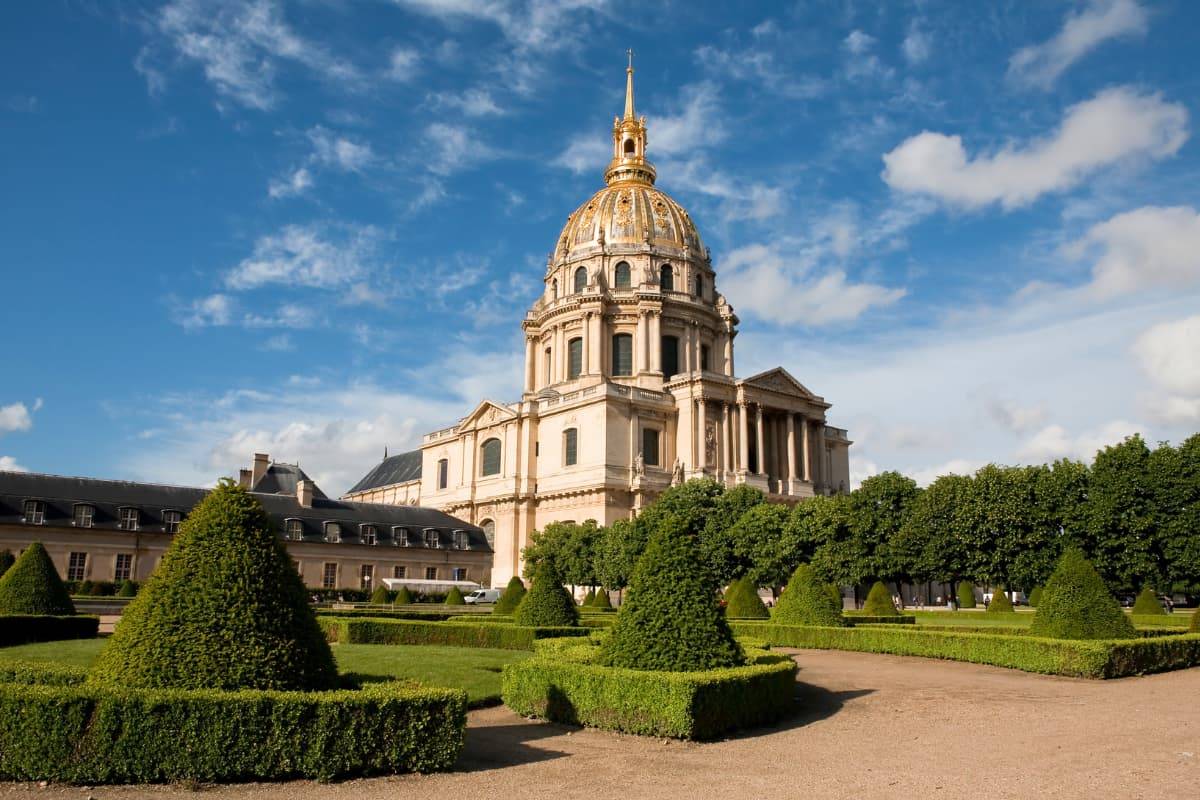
{"points": [[489, 455], [547, 366], [621, 276], [580, 279], [489, 532], [574, 358], [699, 286], [570, 447], [666, 278], [670, 356], [622, 354], [629, 147]]}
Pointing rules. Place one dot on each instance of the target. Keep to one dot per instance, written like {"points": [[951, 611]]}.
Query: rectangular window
{"points": [[400, 571], [443, 474], [368, 535], [329, 575], [622, 355], [704, 354], [650, 447], [431, 573], [400, 537], [461, 541], [574, 358], [129, 519], [171, 520], [295, 530], [366, 575], [77, 566], [35, 512], [85, 515], [547, 362], [432, 539], [460, 573], [670, 357], [571, 447], [124, 567], [333, 532]]}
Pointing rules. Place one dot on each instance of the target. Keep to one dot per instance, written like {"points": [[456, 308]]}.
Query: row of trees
{"points": [[1135, 511]]}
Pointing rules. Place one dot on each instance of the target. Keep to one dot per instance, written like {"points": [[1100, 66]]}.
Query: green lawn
{"points": [[476, 670]]}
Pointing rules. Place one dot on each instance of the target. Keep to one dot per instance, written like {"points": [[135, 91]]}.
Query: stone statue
{"points": [[677, 473], [639, 465]]}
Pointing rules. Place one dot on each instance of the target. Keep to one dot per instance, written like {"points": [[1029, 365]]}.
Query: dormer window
{"points": [[172, 520], [130, 519], [400, 536], [461, 540], [333, 532], [294, 530], [432, 539], [35, 512], [368, 535], [84, 515]]}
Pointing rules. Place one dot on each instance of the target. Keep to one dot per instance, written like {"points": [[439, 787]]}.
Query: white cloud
{"points": [[313, 256], [454, 148], [281, 343], [697, 124], [586, 152], [16, 417], [917, 45], [1114, 126], [471, 102], [1169, 354], [1082, 32], [9, 464], [533, 24], [339, 152], [403, 64], [1015, 417], [858, 42], [955, 466], [214, 310], [1054, 441], [1142, 249], [296, 183]]}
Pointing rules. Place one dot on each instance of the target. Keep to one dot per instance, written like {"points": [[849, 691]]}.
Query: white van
{"points": [[480, 596]]}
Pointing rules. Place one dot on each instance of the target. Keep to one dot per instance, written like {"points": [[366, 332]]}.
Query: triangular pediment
{"points": [[779, 380], [486, 413]]}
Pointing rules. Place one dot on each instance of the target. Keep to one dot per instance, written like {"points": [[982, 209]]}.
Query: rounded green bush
{"points": [[6, 561], [966, 594], [381, 596], [454, 597], [1001, 602], [602, 600], [1147, 603], [128, 589], [670, 619], [879, 602], [742, 601], [547, 603], [1035, 597], [511, 597], [225, 609], [806, 601], [403, 597], [1076, 604], [589, 599], [32, 586]]}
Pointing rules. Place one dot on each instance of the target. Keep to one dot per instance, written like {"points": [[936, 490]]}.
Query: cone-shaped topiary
{"points": [[835, 593], [1076, 604], [403, 597], [1035, 597], [742, 601], [1147, 603], [879, 602], [589, 599], [806, 601], [6, 561], [966, 594], [454, 597], [547, 602], [511, 597], [670, 619], [224, 610], [381, 596], [128, 589], [1001, 602], [602, 600], [32, 586]]}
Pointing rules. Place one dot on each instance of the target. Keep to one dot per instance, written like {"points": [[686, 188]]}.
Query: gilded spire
{"points": [[629, 87], [629, 164]]}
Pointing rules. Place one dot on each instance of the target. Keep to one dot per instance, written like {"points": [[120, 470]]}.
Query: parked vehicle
{"points": [[482, 596]]}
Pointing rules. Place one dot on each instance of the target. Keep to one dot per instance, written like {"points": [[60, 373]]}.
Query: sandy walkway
{"points": [[873, 726]]}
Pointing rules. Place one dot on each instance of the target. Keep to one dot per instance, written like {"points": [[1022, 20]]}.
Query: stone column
{"points": [[743, 437], [805, 455], [585, 345], [701, 443], [758, 432], [791, 453], [530, 363], [729, 352], [655, 342], [596, 359], [639, 344]]}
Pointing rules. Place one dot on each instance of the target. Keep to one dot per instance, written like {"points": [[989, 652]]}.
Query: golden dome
{"points": [[630, 213]]}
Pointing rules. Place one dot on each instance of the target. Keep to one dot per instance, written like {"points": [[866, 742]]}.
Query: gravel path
{"points": [[872, 726]]}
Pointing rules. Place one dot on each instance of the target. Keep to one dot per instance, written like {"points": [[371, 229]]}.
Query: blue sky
{"points": [[311, 228]]}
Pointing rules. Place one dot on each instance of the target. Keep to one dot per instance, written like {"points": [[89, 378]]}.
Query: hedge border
{"points": [[1072, 658], [868, 619], [28, 628], [678, 705], [452, 634], [87, 733]]}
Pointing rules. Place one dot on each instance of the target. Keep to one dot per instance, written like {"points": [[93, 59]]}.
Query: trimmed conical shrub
{"points": [[128, 589], [1035, 597], [589, 599], [547, 603], [879, 602], [1001, 602], [670, 619], [966, 594], [1076, 604], [225, 609], [511, 597], [1147, 603], [742, 601], [6, 561], [602, 599], [454, 597], [381, 596], [32, 586], [806, 601], [835, 594], [403, 597]]}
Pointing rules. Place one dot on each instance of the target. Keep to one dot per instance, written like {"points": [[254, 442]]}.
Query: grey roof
{"points": [[400, 468], [282, 479], [60, 495]]}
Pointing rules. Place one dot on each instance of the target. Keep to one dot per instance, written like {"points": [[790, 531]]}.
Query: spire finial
{"points": [[629, 86]]}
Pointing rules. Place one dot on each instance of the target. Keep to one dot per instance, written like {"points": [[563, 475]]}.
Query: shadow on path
{"points": [[499, 746]]}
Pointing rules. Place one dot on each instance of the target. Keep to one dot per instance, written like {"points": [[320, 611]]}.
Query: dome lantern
{"points": [[629, 164]]}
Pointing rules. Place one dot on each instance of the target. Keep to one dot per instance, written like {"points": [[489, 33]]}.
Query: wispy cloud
{"points": [[296, 182], [313, 256], [1082, 32]]}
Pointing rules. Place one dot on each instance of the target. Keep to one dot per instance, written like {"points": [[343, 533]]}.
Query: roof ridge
{"points": [[107, 480]]}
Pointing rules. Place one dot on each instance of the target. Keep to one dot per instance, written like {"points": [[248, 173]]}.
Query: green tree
{"points": [[32, 586], [1077, 605], [621, 545], [225, 609], [937, 535], [510, 598], [878, 510], [1175, 489], [764, 546], [547, 603], [1001, 512], [1121, 533], [806, 601], [717, 544], [742, 601]]}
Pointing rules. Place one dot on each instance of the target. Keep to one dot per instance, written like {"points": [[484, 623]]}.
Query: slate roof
{"points": [[282, 479], [60, 494], [400, 468]]}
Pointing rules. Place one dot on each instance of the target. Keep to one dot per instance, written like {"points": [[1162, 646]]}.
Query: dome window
{"points": [[621, 275], [666, 278], [580, 279]]}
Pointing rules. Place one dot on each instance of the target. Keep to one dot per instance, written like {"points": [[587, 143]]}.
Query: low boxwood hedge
{"points": [[859, 618], [26, 628], [683, 705], [1092, 658], [96, 734], [350, 630], [41, 673]]}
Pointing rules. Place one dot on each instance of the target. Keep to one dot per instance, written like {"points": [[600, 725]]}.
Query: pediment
{"points": [[779, 380], [485, 414]]}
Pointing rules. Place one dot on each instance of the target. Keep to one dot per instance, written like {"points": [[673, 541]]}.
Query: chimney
{"points": [[245, 478], [304, 493], [262, 462]]}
